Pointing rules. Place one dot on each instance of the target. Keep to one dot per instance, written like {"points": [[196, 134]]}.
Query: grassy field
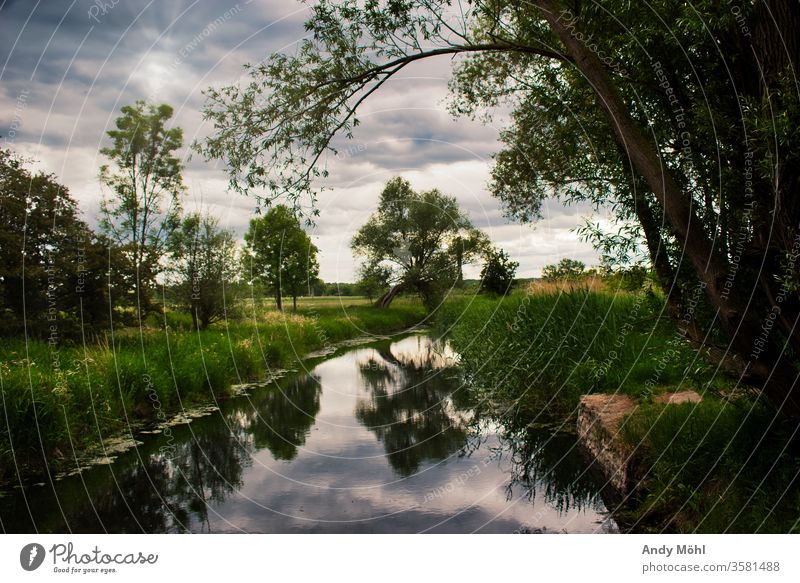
{"points": [[306, 303], [59, 397], [725, 465]]}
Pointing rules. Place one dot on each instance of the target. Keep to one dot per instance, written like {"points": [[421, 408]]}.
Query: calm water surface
{"points": [[381, 438]]}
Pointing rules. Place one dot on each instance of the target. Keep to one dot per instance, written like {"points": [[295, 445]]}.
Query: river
{"points": [[378, 438]]}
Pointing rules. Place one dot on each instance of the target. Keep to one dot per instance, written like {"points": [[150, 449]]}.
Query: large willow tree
{"points": [[680, 117]]}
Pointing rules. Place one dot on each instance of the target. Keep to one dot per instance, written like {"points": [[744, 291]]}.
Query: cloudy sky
{"points": [[68, 68]]}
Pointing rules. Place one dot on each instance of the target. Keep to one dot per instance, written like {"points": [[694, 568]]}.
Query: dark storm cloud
{"points": [[50, 43]]}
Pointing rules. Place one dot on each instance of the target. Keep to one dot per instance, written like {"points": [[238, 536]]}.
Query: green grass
{"points": [[726, 464], [542, 352], [74, 395], [716, 466]]}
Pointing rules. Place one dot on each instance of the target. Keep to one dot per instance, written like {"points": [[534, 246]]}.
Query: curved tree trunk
{"points": [[386, 299], [772, 369]]}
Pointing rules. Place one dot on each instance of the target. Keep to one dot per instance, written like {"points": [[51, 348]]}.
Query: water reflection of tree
{"points": [[152, 490], [172, 489], [546, 461], [211, 467], [410, 409], [284, 415]]}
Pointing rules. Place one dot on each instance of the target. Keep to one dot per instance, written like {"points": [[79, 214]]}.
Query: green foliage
{"points": [[53, 269], [539, 353], [203, 262], [373, 280], [497, 275], [275, 149], [423, 236], [73, 396], [631, 279], [281, 254], [716, 466], [146, 185], [564, 269]]}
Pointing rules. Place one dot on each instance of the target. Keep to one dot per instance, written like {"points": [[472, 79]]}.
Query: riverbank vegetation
{"points": [[726, 464], [542, 351], [60, 400]]}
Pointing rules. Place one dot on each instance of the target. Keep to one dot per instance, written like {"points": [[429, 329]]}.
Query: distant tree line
{"points": [[60, 279]]}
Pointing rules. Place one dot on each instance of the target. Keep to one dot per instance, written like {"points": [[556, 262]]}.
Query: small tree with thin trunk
{"points": [[280, 254], [146, 185], [203, 263]]}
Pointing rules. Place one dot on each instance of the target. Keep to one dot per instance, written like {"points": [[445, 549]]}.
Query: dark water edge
{"points": [[380, 438]]}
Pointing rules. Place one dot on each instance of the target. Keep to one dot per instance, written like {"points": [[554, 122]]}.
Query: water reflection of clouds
{"points": [[323, 494], [374, 440]]}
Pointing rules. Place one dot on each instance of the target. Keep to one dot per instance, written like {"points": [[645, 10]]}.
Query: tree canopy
{"points": [[53, 269], [422, 237], [281, 254], [680, 118], [144, 204], [497, 275], [564, 269]]}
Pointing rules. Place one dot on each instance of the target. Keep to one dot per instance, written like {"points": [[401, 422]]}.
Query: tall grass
{"points": [[550, 286], [541, 352], [716, 466], [58, 397], [723, 465]]}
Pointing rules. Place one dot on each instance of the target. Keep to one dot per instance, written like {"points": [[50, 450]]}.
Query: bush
{"points": [[497, 275]]}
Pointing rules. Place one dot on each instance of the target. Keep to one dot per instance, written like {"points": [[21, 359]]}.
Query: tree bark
{"points": [[386, 299], [777, 376]]}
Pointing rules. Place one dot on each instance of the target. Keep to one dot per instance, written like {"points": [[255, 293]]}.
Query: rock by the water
{"points": [[600, 418]]}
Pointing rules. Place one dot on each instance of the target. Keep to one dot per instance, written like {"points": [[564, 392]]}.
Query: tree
{"points": [[421, 237], [282, 255], [203, 262], [564, 269], [497, 275], [146, 186], [680, 118], [52, 267], [373, 280]]}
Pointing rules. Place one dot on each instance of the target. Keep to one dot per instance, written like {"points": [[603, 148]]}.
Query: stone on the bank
{"points": [[678, 398], [600, 418]]}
